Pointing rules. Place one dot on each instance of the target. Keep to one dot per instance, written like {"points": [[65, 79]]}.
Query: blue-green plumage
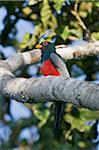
{"points": [[46, 52]]}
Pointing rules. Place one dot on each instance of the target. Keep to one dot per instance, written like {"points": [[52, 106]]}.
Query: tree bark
{"points": [[51, 88]]}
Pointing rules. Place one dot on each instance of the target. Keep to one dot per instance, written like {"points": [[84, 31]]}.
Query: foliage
{"points": [[61, 22]]}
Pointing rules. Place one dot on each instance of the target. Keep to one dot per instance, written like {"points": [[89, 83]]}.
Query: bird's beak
{"points": [[38, 46]]}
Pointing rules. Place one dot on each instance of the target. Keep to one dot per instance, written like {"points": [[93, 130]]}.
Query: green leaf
{"points": [[42, 115], [65, 33], [47, 17], [26, 38], [77, 123], [58, 4], [76, 32], [89, 114], [33, 2], [97, 4], [96, 35], [45, 13]]}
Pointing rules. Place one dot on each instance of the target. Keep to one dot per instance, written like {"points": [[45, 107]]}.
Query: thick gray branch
{"points": [[80, 93]]}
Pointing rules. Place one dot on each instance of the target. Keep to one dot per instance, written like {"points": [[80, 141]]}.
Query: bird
{"points": [[52, 64]]}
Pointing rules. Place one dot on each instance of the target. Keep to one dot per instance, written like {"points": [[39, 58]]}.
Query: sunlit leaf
{"points": [[33, 16], [27, 10], [89, 114], [97, 4], [33, 2], [77, 123], [96, 35], [26, 38], [76, 32], [58, 4], [65, 33], [45, 13], [42, 115]]}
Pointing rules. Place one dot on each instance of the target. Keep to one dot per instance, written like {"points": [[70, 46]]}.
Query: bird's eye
{"points": [[45, 43]]}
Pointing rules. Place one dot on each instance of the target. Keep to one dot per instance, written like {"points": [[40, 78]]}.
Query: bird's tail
{"points": [[59, 111]]}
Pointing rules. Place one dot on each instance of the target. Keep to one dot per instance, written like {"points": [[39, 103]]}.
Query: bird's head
{"points": [[46, 48]]}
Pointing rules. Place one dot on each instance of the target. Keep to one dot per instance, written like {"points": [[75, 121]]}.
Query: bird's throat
{"points": [[45, 56]]}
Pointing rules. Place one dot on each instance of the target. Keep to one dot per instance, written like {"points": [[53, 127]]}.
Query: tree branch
{"points": [[66, 52], [34, 90]]}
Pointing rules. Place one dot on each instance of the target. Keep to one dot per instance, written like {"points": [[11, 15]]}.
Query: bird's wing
{"points": [[59, 64]]}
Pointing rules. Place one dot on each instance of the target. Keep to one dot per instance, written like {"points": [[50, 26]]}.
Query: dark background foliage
{"points": [[24, 24]]}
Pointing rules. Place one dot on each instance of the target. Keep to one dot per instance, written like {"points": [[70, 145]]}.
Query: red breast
{"points": [[48, 68]]}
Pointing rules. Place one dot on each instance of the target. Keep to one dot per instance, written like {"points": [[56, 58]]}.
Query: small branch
{"points": [[75, 13], [86, 31]]}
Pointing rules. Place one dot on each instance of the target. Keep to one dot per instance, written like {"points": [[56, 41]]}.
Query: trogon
{"points": [[53, 64]]}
